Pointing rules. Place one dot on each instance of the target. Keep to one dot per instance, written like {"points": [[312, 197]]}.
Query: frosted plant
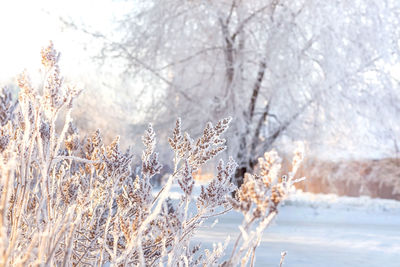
{"points": [[6, 106], [68, 200], [258, 199]]}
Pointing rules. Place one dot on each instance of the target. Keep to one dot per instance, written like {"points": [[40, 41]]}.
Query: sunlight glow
{"points": [[26, 26]]}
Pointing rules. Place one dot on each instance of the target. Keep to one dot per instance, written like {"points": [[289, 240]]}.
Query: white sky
{"points": [[26, 26]]}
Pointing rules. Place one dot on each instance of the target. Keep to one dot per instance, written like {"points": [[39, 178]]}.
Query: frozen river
{"points": [[318, 230]]}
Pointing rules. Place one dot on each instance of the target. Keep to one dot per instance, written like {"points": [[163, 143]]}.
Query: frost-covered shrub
{"points": [[68, 200], [352, 177]]}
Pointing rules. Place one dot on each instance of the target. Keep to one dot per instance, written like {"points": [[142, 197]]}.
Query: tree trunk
{"points": [[243, 156]]}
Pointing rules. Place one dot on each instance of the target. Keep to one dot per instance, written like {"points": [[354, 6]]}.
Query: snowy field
{"points": [[322, 230]]}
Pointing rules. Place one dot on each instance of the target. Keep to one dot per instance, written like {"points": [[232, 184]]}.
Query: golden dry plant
{"points": [[68, 200]]}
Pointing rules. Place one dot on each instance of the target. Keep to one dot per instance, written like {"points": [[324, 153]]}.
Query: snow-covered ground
{"points": [[322, 230]]}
